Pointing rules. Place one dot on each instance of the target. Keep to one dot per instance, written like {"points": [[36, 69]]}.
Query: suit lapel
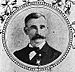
{"points": [[48, 54], [47, 49]]}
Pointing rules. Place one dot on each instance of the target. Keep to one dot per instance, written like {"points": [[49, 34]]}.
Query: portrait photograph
{"points": [[37, 36]]}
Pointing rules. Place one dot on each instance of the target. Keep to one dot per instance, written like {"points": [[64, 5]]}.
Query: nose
{"points": [[38, 31]]}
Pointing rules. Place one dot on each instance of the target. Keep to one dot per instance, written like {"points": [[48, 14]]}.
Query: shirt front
{"points": [[33, 53]]}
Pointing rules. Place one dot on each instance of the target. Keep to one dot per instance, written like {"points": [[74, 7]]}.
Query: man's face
{"points": [[37, 29]]}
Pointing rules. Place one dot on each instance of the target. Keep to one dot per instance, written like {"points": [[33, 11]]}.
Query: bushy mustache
{"points": [[37, 36]]}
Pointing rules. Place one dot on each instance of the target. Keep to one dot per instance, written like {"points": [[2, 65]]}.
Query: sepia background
{"points": [[57, 38]]}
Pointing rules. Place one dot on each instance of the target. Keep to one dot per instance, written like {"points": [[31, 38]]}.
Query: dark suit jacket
{"points": [[48, 55]]}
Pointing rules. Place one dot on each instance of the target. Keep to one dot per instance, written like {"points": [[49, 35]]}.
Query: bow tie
{"points": [[36, 49]]}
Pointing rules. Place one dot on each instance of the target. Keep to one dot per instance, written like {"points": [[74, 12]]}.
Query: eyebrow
{"points": [[33, 26]]}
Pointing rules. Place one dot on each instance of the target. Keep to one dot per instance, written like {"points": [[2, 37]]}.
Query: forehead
{"points": [[38, 21]]}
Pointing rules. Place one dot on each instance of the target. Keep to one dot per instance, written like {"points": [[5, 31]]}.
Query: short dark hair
{"points": [[33, 16]]}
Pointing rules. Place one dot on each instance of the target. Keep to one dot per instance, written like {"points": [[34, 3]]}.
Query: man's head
{"points": [[36, 27]]}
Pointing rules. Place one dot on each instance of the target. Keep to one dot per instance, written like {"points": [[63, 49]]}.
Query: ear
{"points": [[26, 30]]}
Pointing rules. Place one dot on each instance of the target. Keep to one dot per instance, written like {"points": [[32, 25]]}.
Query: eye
{"points": [[42, 26], [33, 27]]}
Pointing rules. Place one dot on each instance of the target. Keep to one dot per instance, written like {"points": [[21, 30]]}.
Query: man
{"points": [[37, 52]]}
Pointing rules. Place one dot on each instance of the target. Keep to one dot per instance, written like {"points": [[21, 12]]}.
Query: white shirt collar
{"points": [[40, 46]]}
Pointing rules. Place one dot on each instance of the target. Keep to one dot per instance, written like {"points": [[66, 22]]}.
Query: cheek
{"points": [[32, 32], [44, 32]]}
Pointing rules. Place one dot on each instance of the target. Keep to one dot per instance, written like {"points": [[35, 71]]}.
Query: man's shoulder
{"points": [[21, 51], [56, 52], [22, 54], [53, 51]]}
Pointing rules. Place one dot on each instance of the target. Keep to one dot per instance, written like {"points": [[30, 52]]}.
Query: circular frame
{"points": [[37, 67]]}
